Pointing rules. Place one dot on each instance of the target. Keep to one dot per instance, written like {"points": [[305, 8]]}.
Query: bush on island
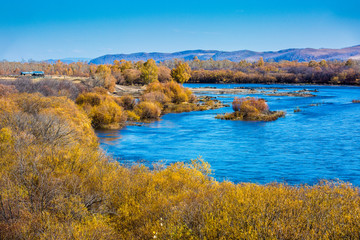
{"points": [[251, 109]]}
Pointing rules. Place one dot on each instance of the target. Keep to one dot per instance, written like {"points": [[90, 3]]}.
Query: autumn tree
{"points": [[181, 73], [313, 64], [349, 63], [196, 63], [164, 74], [261, 62], [131, 76], [103, 78], [125, 65], [149, 71], [323, 63]]}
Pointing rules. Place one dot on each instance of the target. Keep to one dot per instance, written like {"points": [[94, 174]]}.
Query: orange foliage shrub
{"points": [[250, 104], [251, 109], [164, 74], [100, 90], [131, 76], [156, 97]]}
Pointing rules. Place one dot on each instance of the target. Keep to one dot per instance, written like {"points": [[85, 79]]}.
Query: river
{"points": [[320, 142]]}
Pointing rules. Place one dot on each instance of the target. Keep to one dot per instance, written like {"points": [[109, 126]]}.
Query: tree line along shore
{"points": [[56, 183], [202, 71]]}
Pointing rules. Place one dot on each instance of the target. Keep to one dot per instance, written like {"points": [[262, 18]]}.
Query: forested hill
{"points": [[299, 54]]}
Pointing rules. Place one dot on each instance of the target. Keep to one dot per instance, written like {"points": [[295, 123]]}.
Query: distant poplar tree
{"points": [[349, 63], [261, 62], [323, 63], [181, 73], [313, 64], [196, 63], [149, 71]]}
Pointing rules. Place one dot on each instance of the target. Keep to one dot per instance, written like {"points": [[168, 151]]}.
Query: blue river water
{"points": [[320, 142]]}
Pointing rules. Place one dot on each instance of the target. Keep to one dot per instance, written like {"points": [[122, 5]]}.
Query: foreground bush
{"points": [[56, 184], [251, 109], [51, 171]]}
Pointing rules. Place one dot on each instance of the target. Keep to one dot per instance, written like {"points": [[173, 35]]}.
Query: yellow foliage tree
{"points": [[104, 78], [149, 71], [181, 73]]}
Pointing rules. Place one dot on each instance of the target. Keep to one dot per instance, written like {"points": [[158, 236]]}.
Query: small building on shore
{"points": [[33, 73]]}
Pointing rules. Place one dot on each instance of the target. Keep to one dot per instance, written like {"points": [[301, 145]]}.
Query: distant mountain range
{"points": [[299, 54]]}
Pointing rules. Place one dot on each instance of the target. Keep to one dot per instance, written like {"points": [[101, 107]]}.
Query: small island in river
{"points": [[251, 109]]}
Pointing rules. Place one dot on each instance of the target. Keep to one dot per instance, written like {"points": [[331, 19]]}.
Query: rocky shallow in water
{"points": [[271, 91]]}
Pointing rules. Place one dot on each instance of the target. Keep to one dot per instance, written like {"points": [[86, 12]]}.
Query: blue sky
{"points": [[58, 29]]}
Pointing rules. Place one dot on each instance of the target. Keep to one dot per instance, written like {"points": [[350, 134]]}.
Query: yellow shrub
{"points": [[105, 111], [154, 87], [180, 98], [148, 110], [132, 116], [107, 115], [93, 99]]}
